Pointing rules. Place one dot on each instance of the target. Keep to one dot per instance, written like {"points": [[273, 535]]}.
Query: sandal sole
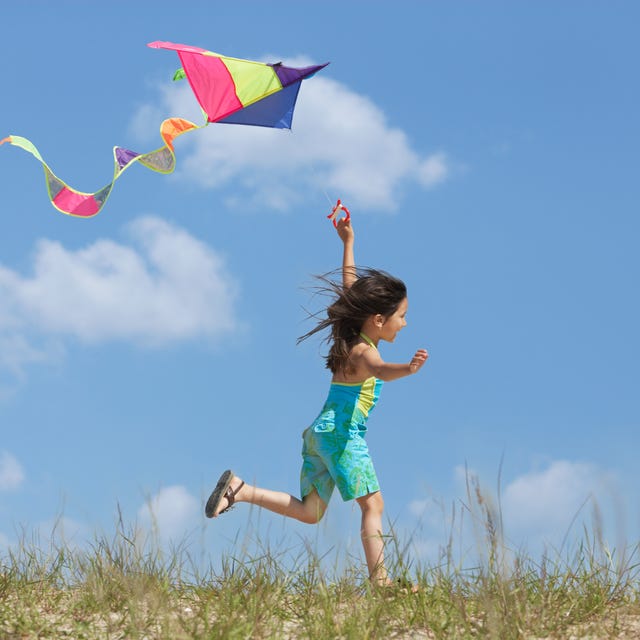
{"points": [[218, 493]]}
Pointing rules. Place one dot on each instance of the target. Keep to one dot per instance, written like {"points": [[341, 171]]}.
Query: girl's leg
{"points": [[372, 506], [310, 509]]}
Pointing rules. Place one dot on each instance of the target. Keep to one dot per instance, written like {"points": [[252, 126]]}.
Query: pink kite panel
{"points": [[78, 204], [211, 83], [158, 44]]}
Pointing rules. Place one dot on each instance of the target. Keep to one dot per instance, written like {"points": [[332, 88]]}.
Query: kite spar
{"points": [[229, 91]]}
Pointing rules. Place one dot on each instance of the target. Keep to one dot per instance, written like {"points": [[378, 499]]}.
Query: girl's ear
{"points": [[379, 320]]}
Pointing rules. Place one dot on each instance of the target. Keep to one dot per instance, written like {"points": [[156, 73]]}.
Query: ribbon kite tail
{"points": [[82, 204]]}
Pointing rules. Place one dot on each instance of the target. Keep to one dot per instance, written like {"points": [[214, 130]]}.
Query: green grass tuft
{"points": [[120, 587]]}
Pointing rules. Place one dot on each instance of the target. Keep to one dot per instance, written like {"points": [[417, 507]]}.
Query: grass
{"points": [[119, 588]]}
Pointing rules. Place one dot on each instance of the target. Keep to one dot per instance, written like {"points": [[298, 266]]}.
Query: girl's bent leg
{"points": [[372, 506], [310, 509]]}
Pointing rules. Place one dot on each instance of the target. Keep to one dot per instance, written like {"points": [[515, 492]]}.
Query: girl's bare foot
{"points": [[389, 587]]}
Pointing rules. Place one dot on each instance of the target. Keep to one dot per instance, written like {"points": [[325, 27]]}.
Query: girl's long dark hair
{"points": [[373, 292]]}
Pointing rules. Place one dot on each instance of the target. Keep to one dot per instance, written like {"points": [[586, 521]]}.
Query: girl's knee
{"points": [[313, 517], [314, 508], [373, 502]]}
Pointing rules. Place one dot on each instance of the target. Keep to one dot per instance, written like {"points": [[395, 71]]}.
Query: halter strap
{"points": [[368, 340]]}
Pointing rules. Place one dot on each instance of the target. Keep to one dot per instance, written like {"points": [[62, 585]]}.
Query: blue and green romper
{"points": [[334, 450]]}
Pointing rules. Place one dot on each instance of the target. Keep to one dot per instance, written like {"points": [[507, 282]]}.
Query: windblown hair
{"points": [[374, 292]]}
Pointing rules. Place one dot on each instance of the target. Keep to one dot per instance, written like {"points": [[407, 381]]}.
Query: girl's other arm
{"points": [[345, 231], [388, 371]]}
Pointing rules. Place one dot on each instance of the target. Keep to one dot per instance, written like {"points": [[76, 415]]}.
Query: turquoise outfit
{"points": [[334, 451]]}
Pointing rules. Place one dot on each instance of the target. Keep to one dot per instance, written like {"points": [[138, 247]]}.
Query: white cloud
{"points": [[62, 531], [165, 286], [172, 512], [419, 507], [431, 528], [11, 472], [16, 352], [57, 532], [433, 170], [539, 508], [341, 143], [464, 476], [545, 502]]}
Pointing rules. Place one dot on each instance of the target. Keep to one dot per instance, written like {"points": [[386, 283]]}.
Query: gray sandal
{"points": [[223, 490]]}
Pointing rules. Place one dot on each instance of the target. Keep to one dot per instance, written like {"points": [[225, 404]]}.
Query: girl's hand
{"points": [[418, 360], [345, 230]]}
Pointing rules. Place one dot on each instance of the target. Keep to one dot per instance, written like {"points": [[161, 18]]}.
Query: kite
{"points": [[228, 90]]}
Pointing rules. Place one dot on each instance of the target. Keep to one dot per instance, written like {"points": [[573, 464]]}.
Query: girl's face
{"points": [[393, 323]]}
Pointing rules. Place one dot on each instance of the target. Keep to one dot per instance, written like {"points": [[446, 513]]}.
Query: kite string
{"points": [[326, 195], [318, 179], [338, 207]]}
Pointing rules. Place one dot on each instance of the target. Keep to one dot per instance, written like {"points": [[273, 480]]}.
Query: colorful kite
{"points": [[229, 90]]}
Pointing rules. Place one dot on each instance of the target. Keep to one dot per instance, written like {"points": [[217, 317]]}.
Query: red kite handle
{"points": [[335, 213]]}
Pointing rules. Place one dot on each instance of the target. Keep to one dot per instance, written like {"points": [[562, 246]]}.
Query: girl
{"points": [[368, 309]]}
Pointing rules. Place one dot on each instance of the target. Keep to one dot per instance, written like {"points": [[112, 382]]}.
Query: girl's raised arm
{"points": [[345, 231]]}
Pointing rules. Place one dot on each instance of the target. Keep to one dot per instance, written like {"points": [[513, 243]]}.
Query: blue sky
{"points": [[488, 153]]}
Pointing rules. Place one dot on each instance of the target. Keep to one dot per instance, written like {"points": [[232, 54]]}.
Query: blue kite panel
{"points": [[273, 111]]}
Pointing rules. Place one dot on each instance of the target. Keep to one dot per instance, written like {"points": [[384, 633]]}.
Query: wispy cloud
{"points": [[64, 531], [542, 502], [342, 142], [538, 508], [11, 472], [163, 286], [17, 352], [171, 513], [545, 502]]}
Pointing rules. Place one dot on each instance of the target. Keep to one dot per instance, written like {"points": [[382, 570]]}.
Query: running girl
{"points": [[370, 307]]}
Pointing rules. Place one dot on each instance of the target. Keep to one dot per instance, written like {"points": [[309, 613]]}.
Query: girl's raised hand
{"points": [[345, 230], [418, 360]]}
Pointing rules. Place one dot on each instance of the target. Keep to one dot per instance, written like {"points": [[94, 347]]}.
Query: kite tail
{"points": [[86, 205]]}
